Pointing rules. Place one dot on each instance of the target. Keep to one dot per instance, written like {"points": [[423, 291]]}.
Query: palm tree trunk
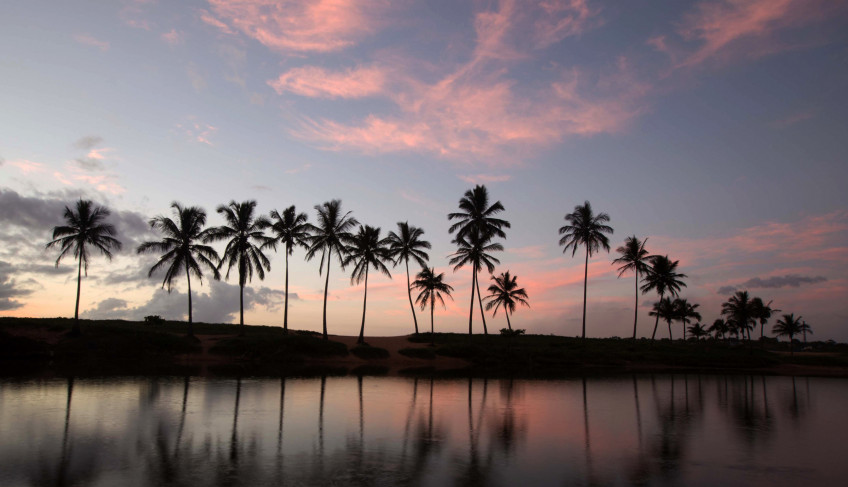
{"points": [[656, 323], [636, 307], [507, 319], [684, 331], [364, 303], [190, 324], [471, 310], [669, 329], [286, 309], [482, 314], [326, 285], [409, 295], [585, 280], [432, 332], [75, 331], [241, 309]]}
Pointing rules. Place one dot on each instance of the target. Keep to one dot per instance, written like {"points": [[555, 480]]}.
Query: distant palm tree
{"points": [[791, 326], [432, 287], [686, 311], [366, 250], [404, 245], [245, 237], [330, 236], [477, 217], [665, 309], [291, 230], [762, 313], [505, 293], [181, 250], [586, 229], [474, 249], [662, 277], [84, 228], [719, 328], [634, 258], [740, 311], [698, 331]]}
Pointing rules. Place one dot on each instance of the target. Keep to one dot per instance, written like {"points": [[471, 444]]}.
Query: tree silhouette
{"points": [[634, 258], [790, 326], [245, 237], [719, 328], [685, 312], [662, 277], [181, 250], [740, 311], [330, 235], [665, 309], [404, 245], [762, 313], [474, 250], [366, 250], [698, 331], [505, 293], [432, 287], [83, 229], [290, 230], [586, 229]]}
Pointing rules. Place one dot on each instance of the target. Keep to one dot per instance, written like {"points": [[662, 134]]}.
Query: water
{"points": [[623, 430]]}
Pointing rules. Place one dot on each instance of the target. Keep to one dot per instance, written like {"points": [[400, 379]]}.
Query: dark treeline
{"points": [[337, 235]]}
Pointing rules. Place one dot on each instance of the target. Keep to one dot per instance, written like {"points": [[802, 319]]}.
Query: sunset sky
{"points": [[718, 129]]}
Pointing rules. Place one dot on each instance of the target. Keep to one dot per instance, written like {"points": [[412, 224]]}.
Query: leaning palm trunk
{"points": [[471, 310], [409, 295], [75, 331], [364, 303], [669, 330], [432, 332], [508, 324], [585, 281], [286, 310], [482, 314], [636, 307], [190, 324], [326, 286]]}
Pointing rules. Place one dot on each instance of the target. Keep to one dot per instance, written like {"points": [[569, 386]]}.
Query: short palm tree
{"points": [[719, 328], [433, 288], [634, 258], [505, 293], [404, 245], [330, 235], [586, 229], [740, 311], [475, 250], [686, 311], [665, 309], [790, 326], [291, 230], [180, 249], [366, 250], [762, 313], [662, 277], [245, 236], [84, 227], [698, 331]]}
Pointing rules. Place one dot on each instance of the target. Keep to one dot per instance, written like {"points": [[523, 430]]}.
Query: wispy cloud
{"points": [[89, 40], [318, 82], [793, 119], [26, 166], [196, 130], [484, 178], [172, 37]]}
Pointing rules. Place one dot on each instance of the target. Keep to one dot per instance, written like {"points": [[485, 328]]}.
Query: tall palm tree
{"points": [[790, 326], [740, 310], [665, 309], [366, 250], [83, 229], [762, 313], [686, 311], [404, 245], [662, 277], [505, 293], [291, 230], [477, 216], [697, 330], [432, 287], [181, 250], [245, 236], [634, 258], [330, 236], [719, 328], [586, 229], [474, 249]]}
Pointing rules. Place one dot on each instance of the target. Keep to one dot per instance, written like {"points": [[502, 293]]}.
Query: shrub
{"points": [[511, 333], [154, 320]]}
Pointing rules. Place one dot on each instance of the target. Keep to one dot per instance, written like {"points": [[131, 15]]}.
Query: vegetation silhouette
{"points": [[366, 250], [662, 277], [665, 309], [634, 258], [180, 249], [789, 326], [586, 229], [685, 312], [432, 287], [506, 294], [404, 245], [330, 235], [719, 328], [290, 229], [741, 313], [83, 229], [698, 331], [474, 249], [763, 313], [245, 237]]}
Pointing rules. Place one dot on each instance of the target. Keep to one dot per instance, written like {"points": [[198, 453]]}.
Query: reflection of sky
{"points": [[687, 429], [713, 127]]}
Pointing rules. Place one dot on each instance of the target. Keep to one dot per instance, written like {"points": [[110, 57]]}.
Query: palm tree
{"points": [[685, 312], [432, 287], [474, 249], [366, 250], [586, 229], [404, 245], [291, 230], [245, 238], [180, 249], [719, 328], [477, 216], [791, 326], [634, 258], [762, 313], [84, 228], [662, 277], [740, 311], [697, 330], [505, 293], [329, 236], [665, 309]]}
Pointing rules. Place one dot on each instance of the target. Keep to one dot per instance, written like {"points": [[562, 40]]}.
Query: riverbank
{"points": [[34, 346]]}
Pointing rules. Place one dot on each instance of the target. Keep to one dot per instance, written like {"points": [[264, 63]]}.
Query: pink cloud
{"points": [[294, 26], [317, 82], [484, 178], [197, 131], [793, 119], [207, 18], [173, 37], [561, 19], [89, 40], [26, 166]]}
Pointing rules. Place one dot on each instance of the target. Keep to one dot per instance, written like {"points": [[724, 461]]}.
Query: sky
{"points": [[716, 129]]}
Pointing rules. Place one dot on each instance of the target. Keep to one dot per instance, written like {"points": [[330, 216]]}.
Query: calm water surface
{"points": [[639, 430]]}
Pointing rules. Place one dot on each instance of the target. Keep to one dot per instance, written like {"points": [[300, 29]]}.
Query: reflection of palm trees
{"points": [[754, 423], [234, 437], [510, 429]]}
